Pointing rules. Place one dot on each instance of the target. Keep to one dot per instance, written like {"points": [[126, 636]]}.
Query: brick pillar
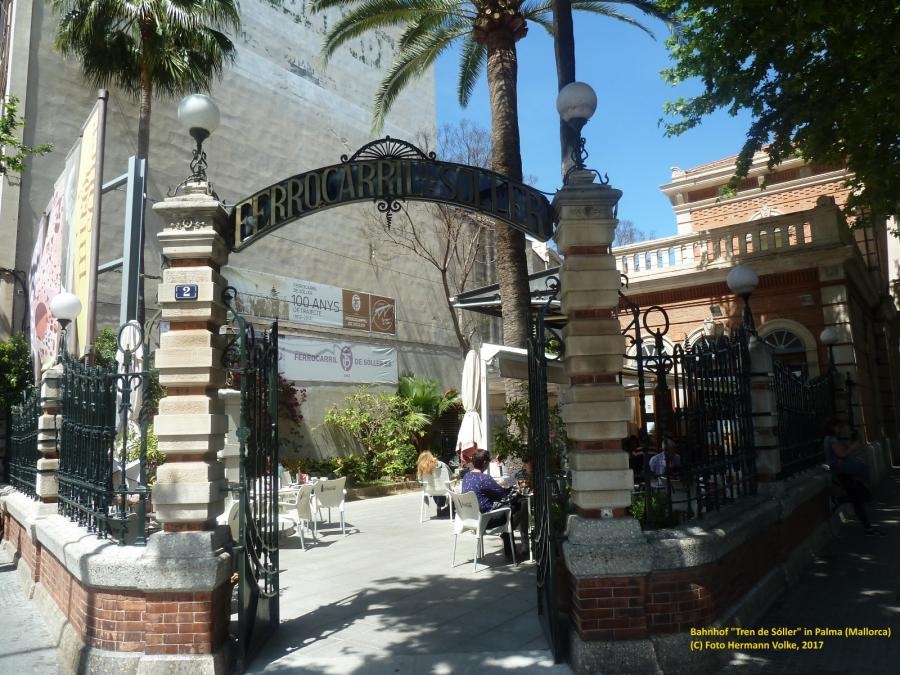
{"points": [[594, 407], [49, 425], [191, 423], [604, 546], [764, 411]]}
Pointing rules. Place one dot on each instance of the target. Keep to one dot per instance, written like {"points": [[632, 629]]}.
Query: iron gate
{"points": [[550, 486], [251, 359]]}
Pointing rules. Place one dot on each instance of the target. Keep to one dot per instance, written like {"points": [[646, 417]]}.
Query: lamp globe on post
{"points": [[199, 114], [576, 103], [743, 281], [829, 337], [65, 307]]}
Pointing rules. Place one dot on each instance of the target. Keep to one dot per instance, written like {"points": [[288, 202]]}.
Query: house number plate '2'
{"points": [[186, 291]]}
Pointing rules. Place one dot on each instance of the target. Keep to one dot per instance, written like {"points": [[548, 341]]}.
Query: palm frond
{"points": [[471, 65], [409, 64]]}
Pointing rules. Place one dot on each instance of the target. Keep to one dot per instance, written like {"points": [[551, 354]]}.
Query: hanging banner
{"points": [[273, 296], [51, 263], [307, 360], [83, 263]]}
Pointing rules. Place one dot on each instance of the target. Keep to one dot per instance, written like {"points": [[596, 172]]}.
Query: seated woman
{"points": [[488, 492], [429, 465], [851, 473]]}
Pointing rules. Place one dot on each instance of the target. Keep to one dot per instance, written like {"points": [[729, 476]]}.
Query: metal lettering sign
{"points": [[388, 172], [186, 291]]}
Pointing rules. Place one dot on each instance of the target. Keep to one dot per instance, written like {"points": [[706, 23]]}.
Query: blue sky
{"points": [[623, 65]]}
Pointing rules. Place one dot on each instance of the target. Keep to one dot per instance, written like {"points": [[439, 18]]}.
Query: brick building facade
{"points": [[815, 270]]}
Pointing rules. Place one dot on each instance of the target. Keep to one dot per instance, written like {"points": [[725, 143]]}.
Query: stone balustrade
{"points": [[717, 248]]}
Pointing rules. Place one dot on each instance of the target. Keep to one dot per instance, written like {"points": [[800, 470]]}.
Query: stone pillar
{"points": [[604, 546], [594, 407], [764, 411], [49, 425], [230, 455], [191, 423]]}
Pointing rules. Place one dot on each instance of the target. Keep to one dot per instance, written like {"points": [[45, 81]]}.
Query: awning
{"points": [[486, 299]]}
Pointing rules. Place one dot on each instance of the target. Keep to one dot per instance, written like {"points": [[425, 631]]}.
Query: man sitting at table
{"points": [[489, 493]]}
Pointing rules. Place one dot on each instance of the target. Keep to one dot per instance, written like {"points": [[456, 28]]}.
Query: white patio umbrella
{"points": [[471, 431]]}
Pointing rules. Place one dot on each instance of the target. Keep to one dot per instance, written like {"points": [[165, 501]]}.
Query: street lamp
{"points": [[199, 114], [576, 103], [743, 281], [829, 337], [65, 307]]}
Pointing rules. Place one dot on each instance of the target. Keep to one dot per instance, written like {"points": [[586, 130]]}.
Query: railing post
{"points": [[764, 410], [49, 425]]}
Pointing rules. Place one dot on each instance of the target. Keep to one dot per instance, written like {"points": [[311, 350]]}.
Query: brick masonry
{"points": [[128, 621], [674, 600]]}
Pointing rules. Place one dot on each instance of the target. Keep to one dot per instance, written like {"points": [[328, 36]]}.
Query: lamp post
{"points": [[199, 114], [65, 307], [829, 337], [576, 103], [743, 281]]}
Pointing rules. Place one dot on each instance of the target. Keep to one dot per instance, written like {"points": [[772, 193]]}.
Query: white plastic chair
{"points": [[435, 484], [330, 495], [233, 524], [470, 519], [298, 507]]}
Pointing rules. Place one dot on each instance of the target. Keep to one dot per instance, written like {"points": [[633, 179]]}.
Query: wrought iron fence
{"points": [[701, 414], [804, 405], [103, 451], [22, 449], [551, 486]]}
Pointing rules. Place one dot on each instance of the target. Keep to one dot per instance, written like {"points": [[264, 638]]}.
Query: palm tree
{"points": [[147, 48], [488, 31]]}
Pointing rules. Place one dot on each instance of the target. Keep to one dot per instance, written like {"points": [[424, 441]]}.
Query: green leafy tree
{"points": [[148, 48], [488, 31], [16, 371], [12, 151], [382, 424], [819, 79]]}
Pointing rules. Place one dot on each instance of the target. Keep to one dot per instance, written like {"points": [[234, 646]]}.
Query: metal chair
{"points": [[470, 519]]}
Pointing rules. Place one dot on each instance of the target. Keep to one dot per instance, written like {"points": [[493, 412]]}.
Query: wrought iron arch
{"points": [[390, 172]]}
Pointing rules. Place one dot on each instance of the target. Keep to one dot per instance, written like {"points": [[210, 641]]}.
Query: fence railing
{"points": [[102, 466], [701, 409], [804, 406], [23, 447]]}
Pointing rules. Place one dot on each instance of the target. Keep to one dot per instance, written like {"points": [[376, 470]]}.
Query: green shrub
{"points": [[384, 426], [16, 372]]}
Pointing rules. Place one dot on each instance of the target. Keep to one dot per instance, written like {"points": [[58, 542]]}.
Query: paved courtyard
{"points": [[384, 599]]}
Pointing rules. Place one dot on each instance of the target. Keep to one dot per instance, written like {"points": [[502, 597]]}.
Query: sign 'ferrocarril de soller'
{"points": [[389, 171]]}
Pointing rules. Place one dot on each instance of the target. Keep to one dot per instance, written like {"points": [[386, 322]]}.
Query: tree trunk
{"points": [[143, 153], [564, 47], [512, 268]]}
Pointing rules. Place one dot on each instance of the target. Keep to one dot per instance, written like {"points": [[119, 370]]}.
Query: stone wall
{"points": [[124, 609], [725, 569]]}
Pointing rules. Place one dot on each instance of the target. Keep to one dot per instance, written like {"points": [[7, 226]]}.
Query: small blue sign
{"points": [[185, 291]]}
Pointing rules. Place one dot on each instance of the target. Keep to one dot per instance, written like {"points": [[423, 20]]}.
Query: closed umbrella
{"points": [[471, 431]]}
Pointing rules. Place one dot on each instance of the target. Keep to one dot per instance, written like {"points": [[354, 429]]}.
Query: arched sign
{"points": [[389, 171]]}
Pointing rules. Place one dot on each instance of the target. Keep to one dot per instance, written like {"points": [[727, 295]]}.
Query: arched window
{"points": [[788, 349]]}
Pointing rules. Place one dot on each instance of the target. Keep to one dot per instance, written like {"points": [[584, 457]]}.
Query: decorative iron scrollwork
{"points": [[388, 148]]}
